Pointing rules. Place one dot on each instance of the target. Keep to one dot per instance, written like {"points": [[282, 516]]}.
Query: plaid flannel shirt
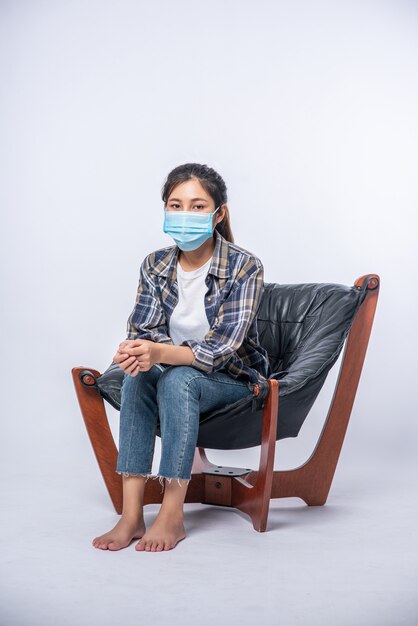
{"points": [[235, 288]]}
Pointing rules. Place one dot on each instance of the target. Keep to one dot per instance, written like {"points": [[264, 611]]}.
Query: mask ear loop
{"points": [[212, 229]]}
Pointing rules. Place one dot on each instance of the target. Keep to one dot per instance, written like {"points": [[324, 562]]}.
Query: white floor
{"points": [[350, 562]]}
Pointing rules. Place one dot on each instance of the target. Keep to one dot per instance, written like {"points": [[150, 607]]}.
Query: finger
{"points": [[136, 370], [124, 345], [137, 350], [120, 357], [123, 349], [132, 365], [126, 363]]}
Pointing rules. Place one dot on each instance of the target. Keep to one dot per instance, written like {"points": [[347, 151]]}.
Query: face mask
{"points": [[189, 230]]}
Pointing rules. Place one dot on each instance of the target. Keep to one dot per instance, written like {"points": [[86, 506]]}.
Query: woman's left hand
{"points": [[146, 353]]}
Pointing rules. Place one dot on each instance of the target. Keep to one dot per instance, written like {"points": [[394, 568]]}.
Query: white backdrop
{"points": [[309, 112]]}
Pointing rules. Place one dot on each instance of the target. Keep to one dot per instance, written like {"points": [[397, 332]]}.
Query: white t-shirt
{"points": [[188, 319]]}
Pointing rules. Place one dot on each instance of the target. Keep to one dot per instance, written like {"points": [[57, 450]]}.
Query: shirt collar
{"points": [[219, 266]]}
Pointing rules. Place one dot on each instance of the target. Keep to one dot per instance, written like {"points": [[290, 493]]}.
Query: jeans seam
{"points": [[181, 455], [130, 437]]}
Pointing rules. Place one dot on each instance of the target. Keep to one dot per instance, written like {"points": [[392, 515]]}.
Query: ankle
{"points": [[170, 510], [132, 516]]}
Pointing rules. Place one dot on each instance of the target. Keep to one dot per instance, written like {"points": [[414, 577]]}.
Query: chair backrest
{"points": [[303, 328]]}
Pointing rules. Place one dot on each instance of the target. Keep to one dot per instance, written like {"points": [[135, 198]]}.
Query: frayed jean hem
{"points": [[160, 478]]}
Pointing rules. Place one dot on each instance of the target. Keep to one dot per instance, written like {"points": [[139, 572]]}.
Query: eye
{"points": [[175, 206]]}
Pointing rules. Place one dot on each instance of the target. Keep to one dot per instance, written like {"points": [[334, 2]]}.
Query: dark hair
{"points": [[213, 184]]}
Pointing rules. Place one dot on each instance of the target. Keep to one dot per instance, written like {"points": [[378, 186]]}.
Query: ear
{"points": [[221, 214]]}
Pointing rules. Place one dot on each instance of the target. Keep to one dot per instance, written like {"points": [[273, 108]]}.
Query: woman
{"points": [[192, 347]]}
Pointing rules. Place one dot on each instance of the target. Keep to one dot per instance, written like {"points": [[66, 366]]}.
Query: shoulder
{"points": [[157, 258], [242, 261]]}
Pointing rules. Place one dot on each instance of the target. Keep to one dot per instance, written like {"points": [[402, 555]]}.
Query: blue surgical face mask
{"points": [[189, 230]]}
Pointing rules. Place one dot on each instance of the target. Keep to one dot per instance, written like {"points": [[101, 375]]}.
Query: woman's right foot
{"points": [[121, 535]]}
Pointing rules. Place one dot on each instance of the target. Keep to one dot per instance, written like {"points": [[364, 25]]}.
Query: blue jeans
{"points": [[178, 394]]}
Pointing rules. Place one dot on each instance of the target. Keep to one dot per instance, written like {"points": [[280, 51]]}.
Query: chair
{"points": [[303, 328]]}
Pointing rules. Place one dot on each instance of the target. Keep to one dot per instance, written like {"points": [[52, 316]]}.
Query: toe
{"points": [[141, 544]]}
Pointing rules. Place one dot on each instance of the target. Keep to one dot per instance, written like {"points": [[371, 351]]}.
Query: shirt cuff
{"points": [[204, 358]]}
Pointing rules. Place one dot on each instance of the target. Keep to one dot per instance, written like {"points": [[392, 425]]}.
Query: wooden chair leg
{"points": [[95, 418], [98, 429], [254, 499], [312, 480]]}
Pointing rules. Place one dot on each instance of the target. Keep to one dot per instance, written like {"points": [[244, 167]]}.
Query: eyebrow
{"points": [[193, 199]]}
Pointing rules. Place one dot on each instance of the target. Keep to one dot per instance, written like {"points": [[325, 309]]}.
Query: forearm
{"points": [[175, 355]]}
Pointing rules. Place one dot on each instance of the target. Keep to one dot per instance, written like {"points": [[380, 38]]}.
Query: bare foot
{"points": [[121, 535], [164, 534]]}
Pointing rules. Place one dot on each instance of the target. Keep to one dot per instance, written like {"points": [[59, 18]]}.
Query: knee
{"points": [[142, 379], [178, 379]]}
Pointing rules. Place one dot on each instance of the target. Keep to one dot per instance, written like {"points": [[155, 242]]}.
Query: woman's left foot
{"points": [[164, 534]]}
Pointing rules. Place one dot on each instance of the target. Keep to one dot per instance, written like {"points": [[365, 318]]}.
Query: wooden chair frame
{"points": [[250, 491]]}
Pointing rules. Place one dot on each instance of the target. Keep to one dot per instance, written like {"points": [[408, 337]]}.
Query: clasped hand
{"points": [[137, 355]]}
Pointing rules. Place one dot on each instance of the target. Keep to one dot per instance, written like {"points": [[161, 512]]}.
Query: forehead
{"points": [[189, 190]]}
